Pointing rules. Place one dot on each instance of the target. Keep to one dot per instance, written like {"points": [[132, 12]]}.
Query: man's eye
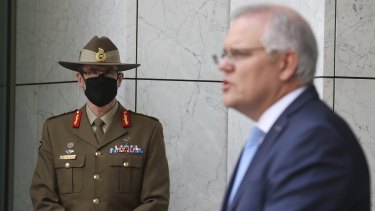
{"points": [[223, 54], [236, 53], [92, 71]]}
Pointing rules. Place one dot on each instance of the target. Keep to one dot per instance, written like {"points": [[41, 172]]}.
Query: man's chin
{"points": [[227, 102]]}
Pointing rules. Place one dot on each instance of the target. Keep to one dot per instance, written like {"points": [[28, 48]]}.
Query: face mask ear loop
{"points": [[81, 72]]}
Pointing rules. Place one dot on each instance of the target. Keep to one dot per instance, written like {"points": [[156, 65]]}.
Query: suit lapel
{"points": [[85, 131], [115, 129], [262, 150], [229, 189]]}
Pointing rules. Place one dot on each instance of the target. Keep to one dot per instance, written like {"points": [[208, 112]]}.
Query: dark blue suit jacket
{"points": [[309, 160]]}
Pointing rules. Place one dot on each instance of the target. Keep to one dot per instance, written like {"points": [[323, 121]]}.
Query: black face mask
{"points": [[101, 90]]}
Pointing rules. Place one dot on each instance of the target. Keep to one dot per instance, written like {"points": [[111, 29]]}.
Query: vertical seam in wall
{"points": [[8, 146], [334, 59], [136, 58], [11, 97]]}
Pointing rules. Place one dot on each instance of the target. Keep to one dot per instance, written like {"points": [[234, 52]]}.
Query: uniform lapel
{"points": [[115, 129], [85, 131]]}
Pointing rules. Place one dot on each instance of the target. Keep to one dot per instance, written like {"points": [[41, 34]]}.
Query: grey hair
{"points": [[286, 30]]}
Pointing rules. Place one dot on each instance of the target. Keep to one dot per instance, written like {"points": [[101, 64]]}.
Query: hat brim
{"points": [[76, 66]]}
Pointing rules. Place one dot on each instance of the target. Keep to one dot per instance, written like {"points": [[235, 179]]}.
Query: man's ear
{"points": [[81, 81], [288, 65], [119, 79]]}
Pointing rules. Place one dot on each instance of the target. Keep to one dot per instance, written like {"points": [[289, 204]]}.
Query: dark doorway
{"points": [[6, 101]]}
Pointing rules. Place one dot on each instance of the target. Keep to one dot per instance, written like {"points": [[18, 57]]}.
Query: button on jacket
{"points": [[74, 172]]}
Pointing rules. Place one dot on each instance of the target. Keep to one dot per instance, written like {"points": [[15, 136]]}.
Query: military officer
{"points": [[101, 156]]}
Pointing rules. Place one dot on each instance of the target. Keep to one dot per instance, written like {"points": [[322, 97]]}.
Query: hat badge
{"points": [[101, 56]]}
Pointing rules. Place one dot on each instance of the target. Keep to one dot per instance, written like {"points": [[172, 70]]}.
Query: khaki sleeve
{"points": [[43, 190], [155, 187]]}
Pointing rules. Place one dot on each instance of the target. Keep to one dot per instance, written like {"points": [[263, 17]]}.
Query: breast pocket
{"points": [[126, 170], [69, 174]]}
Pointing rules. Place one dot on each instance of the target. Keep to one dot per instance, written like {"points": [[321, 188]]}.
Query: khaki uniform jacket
{"points": [[97, 179]]}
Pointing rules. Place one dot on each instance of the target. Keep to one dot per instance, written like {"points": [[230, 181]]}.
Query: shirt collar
{"points": [[107, 117], [269, 117]]}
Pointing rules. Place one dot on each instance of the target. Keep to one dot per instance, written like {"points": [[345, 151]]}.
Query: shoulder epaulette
{"points": [[151, 117], [52, 117]]}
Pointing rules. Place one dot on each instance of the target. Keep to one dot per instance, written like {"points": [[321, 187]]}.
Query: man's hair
{"points": [[286, 29]]}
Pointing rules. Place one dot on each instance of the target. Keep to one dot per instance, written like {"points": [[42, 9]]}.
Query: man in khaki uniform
{"points": [[101, 156]]}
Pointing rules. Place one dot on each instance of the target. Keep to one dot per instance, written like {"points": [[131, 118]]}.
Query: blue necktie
{"points": [[248, 152]]}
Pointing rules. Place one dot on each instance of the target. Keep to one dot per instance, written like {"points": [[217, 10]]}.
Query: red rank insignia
{"points": [[125, 119], [77, 119]]}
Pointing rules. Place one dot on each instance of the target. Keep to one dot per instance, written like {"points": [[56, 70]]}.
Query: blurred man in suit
{"points": [[301, 155], [101, 156]]}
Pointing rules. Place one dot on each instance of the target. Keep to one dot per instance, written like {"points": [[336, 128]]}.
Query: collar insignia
{"points": [[77, 119], [125, 119]]}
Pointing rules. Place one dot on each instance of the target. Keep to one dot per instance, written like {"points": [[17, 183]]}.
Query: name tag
{"points": [[68, 157]]}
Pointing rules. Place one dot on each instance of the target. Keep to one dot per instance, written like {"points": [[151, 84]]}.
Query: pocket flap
{"points": [[127, 161], [76, 163]]}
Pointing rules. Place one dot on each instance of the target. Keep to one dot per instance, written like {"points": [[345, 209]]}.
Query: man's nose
{"points": [[226, 65]]}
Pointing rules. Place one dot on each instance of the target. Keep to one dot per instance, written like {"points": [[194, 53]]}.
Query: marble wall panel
{"points": [[26, 41], [64, 27], [128, 51], [313, 11], [328, 50], [195, 125], [178, 38], [25, 146], [126, 94], [355, 102], [239, 127], [355, 50], [55, 99], [325, 88]]}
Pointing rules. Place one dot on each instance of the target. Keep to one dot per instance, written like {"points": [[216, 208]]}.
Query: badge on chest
{"points": [[69, 151]]}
